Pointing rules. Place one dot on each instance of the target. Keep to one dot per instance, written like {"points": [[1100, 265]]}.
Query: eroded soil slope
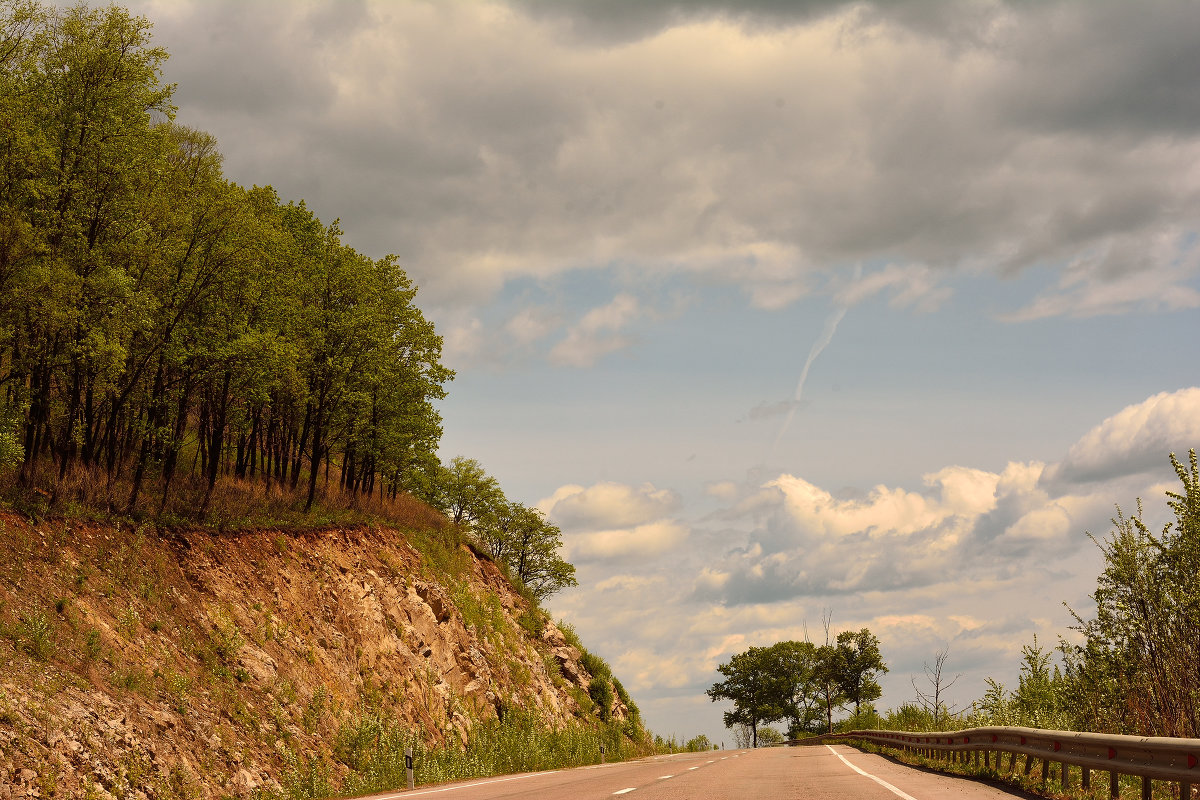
{"points": [[140, 663]]}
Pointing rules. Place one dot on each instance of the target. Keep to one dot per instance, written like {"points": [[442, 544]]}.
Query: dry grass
{"points": [[235, 504]]}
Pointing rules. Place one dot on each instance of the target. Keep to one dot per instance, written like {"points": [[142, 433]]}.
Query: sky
{"points": [[776, 309]]}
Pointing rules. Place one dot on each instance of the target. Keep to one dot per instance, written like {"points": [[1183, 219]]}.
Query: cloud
{"points": [[804, 542], [597, 334], [1135, 440], [608, 505], [752, 144], [644, 541], [531, 324], [614, 522]]}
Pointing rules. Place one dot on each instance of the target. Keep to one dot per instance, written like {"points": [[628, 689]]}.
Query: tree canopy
{"points": [[158, 320], [797, 681]]}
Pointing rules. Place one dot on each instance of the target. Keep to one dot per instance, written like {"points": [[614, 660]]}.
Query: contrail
{"points": [[820, 344]]}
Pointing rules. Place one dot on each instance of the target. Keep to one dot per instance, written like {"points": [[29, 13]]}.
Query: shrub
{"points": [[36, 635], [600, 690]]}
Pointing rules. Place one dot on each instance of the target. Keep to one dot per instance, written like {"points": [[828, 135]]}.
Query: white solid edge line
{"points": [[462, 786], [880, 781], [664, 777], [625, 791]]}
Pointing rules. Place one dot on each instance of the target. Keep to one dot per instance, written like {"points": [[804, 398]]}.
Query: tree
{"points": [[932, 700], [523, 540], [797, 662], [858, 662], [1136, 670], [757, 688], [827, 678], [465, 492]]}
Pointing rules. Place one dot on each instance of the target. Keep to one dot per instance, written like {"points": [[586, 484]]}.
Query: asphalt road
{"points": [[821, 772]]}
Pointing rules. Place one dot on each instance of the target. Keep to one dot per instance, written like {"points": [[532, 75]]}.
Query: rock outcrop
{"points": [[134, 664]]}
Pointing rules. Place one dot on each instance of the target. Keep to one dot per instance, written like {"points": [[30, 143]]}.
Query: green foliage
{"points": [[35, 632], [796, 681], [162, 326], [769, 736], [514, 535], [1136, 669], [600, 690], [372, 746], [595, 665], [698, 744], [858, 662], [1043, 698], [758, 688]]}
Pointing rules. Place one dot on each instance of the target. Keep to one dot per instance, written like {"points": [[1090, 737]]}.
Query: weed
{"points": [[227, 640], [373, 745], [8, 715], [131, 679], [314, 709], [307, 778], [60, 605], [91, 646], [533, 621], [35, 633], [128, 622], [177, 686]]}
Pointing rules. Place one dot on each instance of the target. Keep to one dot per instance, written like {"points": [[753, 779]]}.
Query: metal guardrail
{"points": [[1150, 758]]}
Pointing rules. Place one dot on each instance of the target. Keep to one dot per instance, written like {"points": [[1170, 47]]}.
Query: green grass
{"points": [[373, 747]]}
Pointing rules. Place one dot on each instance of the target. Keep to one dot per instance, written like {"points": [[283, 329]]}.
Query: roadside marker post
{"points": [[601, 754], [408, 765]]}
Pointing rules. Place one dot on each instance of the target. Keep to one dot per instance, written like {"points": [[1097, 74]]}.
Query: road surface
{"points": [[818, 772]]}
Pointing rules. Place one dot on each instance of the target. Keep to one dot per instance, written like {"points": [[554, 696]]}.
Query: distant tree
{"points": [[827, 678], [797, 663], [753, 681], [769, 736], [858, 662], [932, 699]]}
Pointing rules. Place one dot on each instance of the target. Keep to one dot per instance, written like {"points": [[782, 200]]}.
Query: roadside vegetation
{"points": [[1134, 672]]}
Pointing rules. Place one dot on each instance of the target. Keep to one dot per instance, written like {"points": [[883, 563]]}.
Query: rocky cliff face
{"points": [[134, 663]]}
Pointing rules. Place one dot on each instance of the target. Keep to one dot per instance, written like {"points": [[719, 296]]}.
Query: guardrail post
{"points": [[1146, 786], [1114, 791], [1029, 764], [1045, 770], [1066, 776], [1086, 778], [1185, 791]]}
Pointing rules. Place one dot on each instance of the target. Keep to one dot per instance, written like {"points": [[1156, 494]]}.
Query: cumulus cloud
{"points": [[644, 541], [806, 542], [608, 505], [613, 521], [1134, 440]]}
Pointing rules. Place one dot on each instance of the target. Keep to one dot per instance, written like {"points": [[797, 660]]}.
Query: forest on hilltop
{"points": [[162, 326]]}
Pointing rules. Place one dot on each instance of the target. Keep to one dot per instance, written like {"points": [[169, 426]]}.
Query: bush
{"points": [[600, 690]]}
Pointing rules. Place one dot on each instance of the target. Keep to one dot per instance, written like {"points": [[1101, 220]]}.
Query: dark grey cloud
{"points": [[482, 143]]}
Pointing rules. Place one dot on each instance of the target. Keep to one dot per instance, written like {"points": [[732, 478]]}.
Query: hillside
{"points": [[192, 664]]}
